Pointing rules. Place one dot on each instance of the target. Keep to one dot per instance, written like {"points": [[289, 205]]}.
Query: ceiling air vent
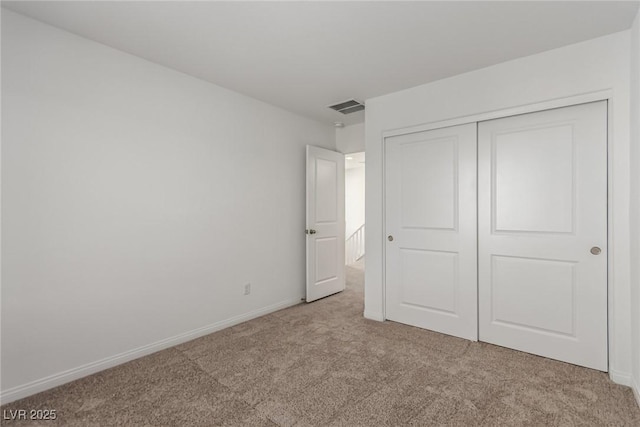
{"points": [[347, 107]]}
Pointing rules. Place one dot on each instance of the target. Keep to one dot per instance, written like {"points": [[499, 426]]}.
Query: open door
{"points": [[325, 223]]}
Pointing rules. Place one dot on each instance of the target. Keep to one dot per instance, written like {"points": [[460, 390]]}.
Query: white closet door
{"points": [[542, 202], [431, 253]]}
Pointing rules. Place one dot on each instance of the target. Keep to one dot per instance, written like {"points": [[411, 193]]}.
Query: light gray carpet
{"points": [[324, 364]]}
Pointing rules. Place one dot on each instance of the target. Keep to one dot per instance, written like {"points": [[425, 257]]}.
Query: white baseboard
{"points": [[374, 316], [69, 375], [622, 378], [628, 380]]}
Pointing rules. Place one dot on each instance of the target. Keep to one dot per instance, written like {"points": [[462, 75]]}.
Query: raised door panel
{"points": [[326, 191], [428, 173], [429, 280], [533, 294], [533, 177], [326, 253]]}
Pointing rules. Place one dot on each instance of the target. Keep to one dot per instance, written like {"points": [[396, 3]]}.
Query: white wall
{"points": [[350, 139], [136, 203], [635, 201], [354, 198], [595, 65]]}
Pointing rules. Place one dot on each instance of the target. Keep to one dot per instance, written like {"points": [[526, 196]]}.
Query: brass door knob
{"points": [[390, 238]]}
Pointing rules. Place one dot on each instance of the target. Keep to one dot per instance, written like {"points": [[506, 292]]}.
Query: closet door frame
{"points": [[605, 95]]}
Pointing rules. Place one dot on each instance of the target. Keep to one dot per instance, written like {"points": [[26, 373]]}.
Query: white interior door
{"points": [[325, 223], [542, 182], [431, 247]]}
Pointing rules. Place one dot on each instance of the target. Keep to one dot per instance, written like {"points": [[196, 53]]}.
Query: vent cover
{"points": [[347, 107]]}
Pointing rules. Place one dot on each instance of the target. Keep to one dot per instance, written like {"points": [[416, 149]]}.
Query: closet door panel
{"points": [[542, 230], [431, 250]]}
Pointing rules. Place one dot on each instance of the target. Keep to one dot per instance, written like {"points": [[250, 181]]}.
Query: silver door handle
{"points": [[311, 231], [390, 238], [595, 250]]}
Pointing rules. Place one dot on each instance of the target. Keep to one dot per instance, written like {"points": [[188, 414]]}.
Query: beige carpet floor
{"points": [[323, 364]]}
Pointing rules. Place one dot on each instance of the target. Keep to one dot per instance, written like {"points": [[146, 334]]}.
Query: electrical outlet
{"points": [[247, 289]]}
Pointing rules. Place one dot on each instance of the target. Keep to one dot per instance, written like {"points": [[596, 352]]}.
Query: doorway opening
{"points": [[354, 182]]}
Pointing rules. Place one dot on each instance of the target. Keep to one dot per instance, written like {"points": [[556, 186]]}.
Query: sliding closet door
{"points": [[431, 252], [542, 228]]}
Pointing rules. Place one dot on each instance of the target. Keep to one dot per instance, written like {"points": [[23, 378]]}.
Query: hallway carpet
{"points": [[323, 364]]}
